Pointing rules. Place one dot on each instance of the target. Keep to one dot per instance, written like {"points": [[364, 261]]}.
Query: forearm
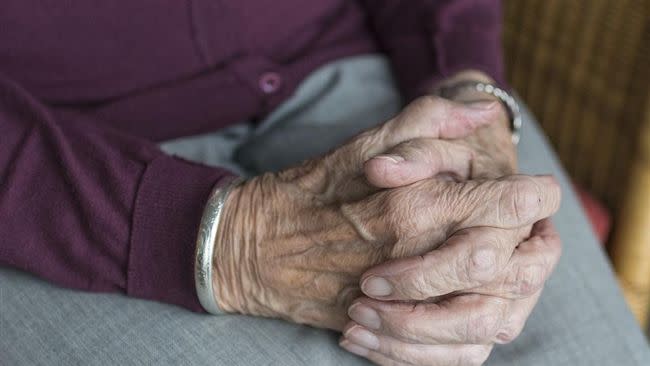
{"points": [[93, 209]]}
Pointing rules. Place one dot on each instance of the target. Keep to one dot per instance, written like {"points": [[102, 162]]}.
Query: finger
{"points": [[414, 354], [431, 117], [421, 216], [516, 322], [435, 117], [531, 264], [464, 319], [426, 117], [418, 159], [509, 202], [479, 260], [468, 259]]}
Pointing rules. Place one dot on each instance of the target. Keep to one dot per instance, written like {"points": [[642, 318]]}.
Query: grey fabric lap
{"points": [[581, 318]]}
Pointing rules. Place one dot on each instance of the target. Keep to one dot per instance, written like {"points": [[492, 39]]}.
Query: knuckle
{"points": [[363, 146], [481, 264], [474, 355], [554, 192], [423, 151], [400, 210], [484, 324], [528, 279], [427, 101], [520, 202], [426, 106]]}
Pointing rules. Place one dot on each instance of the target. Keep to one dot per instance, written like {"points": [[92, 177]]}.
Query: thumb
{"points": [[419, 159]]}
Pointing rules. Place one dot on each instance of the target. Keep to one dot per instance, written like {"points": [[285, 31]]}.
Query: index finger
{"points": [[426, 117], [439, 207]]}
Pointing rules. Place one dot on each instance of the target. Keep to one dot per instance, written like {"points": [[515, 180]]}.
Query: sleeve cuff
{"points": [[451, 65], [468, 37], [168, 209]]}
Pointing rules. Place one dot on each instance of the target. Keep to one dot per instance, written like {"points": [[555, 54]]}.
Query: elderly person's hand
{"points": [[471, 299], [294, 244], [477, 289]]}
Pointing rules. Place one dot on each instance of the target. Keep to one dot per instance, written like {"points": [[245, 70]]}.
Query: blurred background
{"points": [[583, 67]]}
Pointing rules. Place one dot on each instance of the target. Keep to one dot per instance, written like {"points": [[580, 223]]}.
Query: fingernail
{"points": [[376, 286], [354, 348], [482, 105], [364, 315], [362, 337], [394, 159]]}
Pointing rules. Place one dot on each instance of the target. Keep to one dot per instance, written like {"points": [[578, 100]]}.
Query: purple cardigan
{"points": [[87, 88]]}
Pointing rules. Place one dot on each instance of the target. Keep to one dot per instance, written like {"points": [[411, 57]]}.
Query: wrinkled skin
{"points": [[470, 269], [495, 275], [294, 244], [457, 329]]}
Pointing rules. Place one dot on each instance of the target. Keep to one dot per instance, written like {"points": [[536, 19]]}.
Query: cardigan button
{"points": [[270, 82]]}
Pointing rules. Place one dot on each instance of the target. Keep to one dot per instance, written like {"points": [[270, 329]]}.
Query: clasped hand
{"points": [[395, 214]]}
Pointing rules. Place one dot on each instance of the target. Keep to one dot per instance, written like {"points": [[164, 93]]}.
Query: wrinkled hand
{"points": [[509, 273], [489, 297], [486, 153], [294, 244]]}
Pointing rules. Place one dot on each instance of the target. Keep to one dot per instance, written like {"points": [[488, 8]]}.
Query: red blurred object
{"points": [[598, 215]]}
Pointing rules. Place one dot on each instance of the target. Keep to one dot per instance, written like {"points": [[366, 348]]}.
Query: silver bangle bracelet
{"points": [[508, 101], [208, 230]]}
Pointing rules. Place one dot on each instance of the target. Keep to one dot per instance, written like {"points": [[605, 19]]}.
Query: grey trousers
{"points": [[581, 318]]}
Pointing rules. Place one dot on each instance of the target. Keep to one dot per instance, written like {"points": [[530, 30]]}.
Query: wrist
{"points": [[232, 262], [470, 95], [465, 75], [493, 143], [275, 246]]}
